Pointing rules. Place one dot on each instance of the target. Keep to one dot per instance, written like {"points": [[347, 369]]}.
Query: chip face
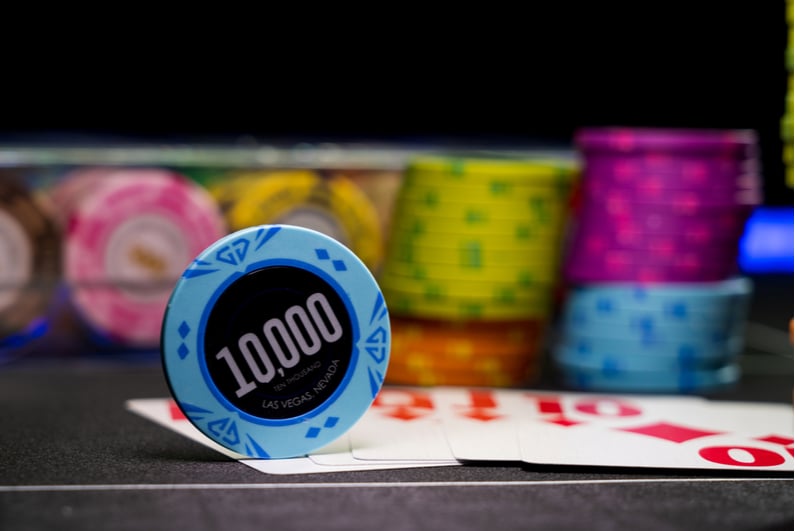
{"points": [[127, 240], [275, 341]]}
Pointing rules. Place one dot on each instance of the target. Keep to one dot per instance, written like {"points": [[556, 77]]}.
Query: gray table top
{"points": [[72, 457]]}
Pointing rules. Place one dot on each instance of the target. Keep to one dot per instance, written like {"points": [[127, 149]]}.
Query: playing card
{"points": [[480, 424], [403, 424], [165, 412], [339, 452], [657, 432], [334, 457]]}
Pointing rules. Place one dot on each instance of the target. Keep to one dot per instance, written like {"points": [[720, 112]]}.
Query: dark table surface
{"points": [[72, 457]]}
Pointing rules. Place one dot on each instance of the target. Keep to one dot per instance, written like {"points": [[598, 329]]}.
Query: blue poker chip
{"points": [[675, 319], [275, 341], [616, 360], [646, 326], [676, 382], [690, 350], [675, 300], [660, 314], [651, 334]]}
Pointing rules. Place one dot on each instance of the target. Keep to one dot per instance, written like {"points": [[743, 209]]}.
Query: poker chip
{"points": [[333, 205], [30, 250], [472, 265], [639, 362], [475, 353], [661, 205], [128, 236], [674, 299], [519, 288], [666, 144], [672, 323], [652, 302], [693, 350], [684, 335], [497, 171], [429, 361], [432, 306], [276, 340], [470, 253], [422, 377], [686, 381], [466, 340], [477, 236], [73, 187], [658, 219]]}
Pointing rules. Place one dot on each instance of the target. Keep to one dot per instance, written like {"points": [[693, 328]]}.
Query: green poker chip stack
{"points": [[478, 237]]}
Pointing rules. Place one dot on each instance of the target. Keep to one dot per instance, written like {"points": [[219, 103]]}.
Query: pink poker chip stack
{"points": [[662, 205], [129, 233]]}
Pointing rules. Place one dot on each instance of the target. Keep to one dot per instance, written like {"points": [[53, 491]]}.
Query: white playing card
{"points": [[403, 425], [481, 424], [658, 432], [165, 412], [339, 452], [334, 457]]}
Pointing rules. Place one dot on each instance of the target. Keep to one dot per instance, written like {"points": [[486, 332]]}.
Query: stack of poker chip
{"points": [[128, 234], [30, 268], [677, 338], [478, 353], [332, 205], [471, 267], [655, 242]]}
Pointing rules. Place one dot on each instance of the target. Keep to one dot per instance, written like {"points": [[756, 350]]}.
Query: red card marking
{"points": [[754, 456], [786, 442], [671, 432], [175, 412], [403, 404]]}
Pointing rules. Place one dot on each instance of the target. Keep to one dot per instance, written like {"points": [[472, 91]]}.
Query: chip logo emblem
{"points": [[226, 429], [233, 254], [280, 335], [378, 353]]}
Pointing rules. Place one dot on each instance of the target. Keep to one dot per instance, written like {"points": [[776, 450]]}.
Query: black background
{"points": [[476, 74]]}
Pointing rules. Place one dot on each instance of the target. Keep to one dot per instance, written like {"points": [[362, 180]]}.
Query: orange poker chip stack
{"points": [[475, 353]]}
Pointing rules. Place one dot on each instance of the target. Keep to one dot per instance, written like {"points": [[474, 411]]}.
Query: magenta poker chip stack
{"points": [[662, 205], [659, 218]]}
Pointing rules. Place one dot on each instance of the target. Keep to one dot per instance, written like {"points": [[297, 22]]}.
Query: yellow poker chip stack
{"points": [[474, 248], [333, 205]]}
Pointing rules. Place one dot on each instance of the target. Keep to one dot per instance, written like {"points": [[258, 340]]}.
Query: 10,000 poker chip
{"points": [[275, 341]]}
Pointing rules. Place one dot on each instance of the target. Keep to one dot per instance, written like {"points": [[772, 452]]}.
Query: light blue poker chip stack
{"points": [[675, 338]]}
